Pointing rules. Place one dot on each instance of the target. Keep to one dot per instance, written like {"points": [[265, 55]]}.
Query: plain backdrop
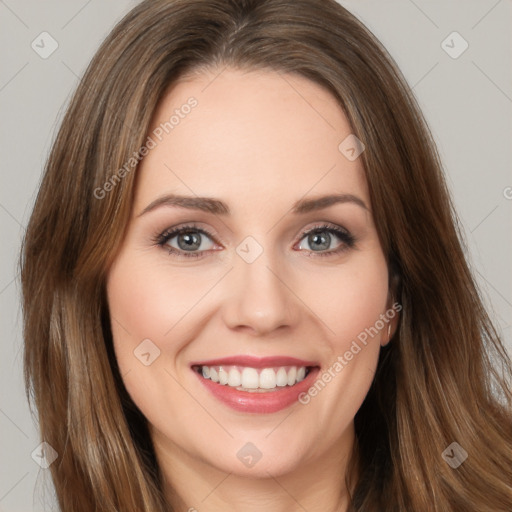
{"points": [[466, 98]]}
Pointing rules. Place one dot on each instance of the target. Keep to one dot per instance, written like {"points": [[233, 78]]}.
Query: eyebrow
{"points": [[218, 207]]}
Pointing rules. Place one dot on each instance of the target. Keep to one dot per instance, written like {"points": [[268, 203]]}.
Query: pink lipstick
{"points": [[256, 384]]}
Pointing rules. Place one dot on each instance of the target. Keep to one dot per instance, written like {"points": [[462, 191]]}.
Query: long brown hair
{"points": [[445, 376]]}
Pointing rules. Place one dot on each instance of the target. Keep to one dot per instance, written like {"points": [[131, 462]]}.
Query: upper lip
{"points": [[256, 362]]}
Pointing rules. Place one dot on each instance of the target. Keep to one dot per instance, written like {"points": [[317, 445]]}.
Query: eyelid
{"points": [[323, 226], [348, 240], [163, 237]]}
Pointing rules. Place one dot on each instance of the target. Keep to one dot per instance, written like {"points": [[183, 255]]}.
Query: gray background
{"points": [[467, 102]]}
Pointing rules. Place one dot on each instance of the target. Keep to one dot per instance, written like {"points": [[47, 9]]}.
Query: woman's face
{"points": [[249, 292]]}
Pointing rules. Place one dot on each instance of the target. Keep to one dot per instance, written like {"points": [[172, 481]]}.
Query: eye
{"points": [[186, 241], [320, 238], [191, 241]]}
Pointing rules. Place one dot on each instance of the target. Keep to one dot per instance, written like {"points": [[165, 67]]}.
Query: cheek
{"points": [[349, 300], [154, 310], [144, 307], [350, 303], [147, 300], [141, 311]]}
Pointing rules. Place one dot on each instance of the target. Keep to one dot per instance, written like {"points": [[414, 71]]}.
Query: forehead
{"points": [[249, 136]]}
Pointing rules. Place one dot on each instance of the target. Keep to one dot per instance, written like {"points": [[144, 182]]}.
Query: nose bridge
{"points": [[260, 300]]}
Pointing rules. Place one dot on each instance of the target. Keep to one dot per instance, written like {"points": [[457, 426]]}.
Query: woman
{"points": [[189, 347]]}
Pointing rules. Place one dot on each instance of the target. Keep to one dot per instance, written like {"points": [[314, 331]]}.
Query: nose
{"points": [[260, 299]]}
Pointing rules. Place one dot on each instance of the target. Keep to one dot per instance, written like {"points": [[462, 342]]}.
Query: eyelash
{"points": [[347, 239]]}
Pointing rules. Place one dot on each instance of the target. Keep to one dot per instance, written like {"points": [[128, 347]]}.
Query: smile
{"points": [[256, 385], [254, 379]]}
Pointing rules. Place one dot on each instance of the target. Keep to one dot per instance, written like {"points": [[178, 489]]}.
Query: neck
{"points": [[192, 484]]}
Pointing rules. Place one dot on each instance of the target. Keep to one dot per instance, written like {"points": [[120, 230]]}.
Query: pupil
{"points": [[317, 238], [188, 241]]}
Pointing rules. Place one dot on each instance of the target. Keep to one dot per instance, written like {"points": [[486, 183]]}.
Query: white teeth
{"points": [[223, 376], [245, 378], [267, 379], [292, 376], [250, 379], [281, 377], [235, 378]]}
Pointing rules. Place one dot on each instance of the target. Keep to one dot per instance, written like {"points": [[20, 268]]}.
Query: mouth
{"points": [[256, 385], [254, 380]]}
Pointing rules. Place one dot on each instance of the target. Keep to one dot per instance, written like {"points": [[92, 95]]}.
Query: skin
{"points": [[258, 141]]}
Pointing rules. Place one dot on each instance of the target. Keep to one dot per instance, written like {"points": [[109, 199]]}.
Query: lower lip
{"points": [[257, 402]]}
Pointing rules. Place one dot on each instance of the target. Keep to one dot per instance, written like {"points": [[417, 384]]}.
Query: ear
{"points": [[393, 307], [392, 315]]}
